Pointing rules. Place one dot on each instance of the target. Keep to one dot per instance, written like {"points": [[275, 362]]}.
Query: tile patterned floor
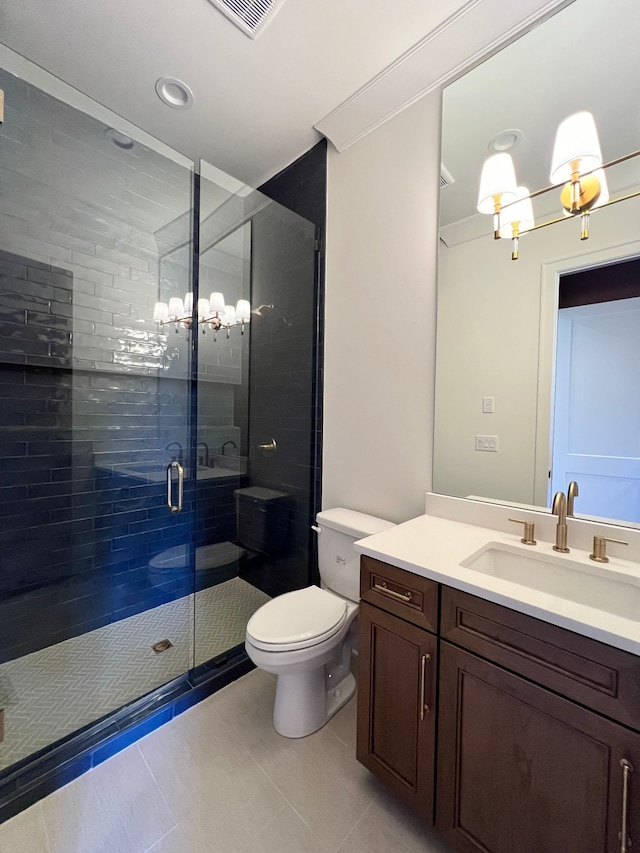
{"points": [[50, 693], [218, 779]]}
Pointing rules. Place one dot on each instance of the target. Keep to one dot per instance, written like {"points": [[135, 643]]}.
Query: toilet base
{"points": [[303, 704]]}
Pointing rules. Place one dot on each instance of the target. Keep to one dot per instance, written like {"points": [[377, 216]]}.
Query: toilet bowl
{"points": [[306, 637]]}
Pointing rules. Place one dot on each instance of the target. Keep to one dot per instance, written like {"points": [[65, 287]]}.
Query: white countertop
{"points": [[435, 547]]}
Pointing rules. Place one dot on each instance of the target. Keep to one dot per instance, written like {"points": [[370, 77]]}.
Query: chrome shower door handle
{"points": [[171, 467]]}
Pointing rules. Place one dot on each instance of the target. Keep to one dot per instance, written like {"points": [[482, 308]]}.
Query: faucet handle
{"points": [[529, 530], [600, 548]]}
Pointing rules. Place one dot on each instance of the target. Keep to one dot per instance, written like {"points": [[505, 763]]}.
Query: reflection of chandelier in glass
{"points": [[211, 312]]}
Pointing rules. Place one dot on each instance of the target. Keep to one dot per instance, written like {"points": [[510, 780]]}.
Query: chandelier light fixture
{"points": [[212, 312], [576, 166]]}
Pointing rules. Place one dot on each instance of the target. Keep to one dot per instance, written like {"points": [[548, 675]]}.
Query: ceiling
{"points": [[255, 101], [532, 85], [341, 66]]}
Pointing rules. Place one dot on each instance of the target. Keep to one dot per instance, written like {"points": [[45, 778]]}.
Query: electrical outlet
{"points": [[487, 442], [487, 405]]}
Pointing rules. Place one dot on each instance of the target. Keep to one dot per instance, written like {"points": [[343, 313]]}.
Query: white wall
{"points": [[382, 199]]}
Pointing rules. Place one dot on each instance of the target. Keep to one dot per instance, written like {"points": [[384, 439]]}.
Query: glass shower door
{"points": [[96, 556], [256, 428]]}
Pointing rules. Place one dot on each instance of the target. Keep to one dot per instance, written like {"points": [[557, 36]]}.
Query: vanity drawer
{"points": [[409, 596], [596, 675]]}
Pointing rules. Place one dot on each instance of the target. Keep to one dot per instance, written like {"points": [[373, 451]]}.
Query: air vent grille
{"points": [[446, 178], [251, 16]]}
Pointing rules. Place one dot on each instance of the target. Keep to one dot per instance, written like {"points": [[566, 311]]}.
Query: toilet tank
{"points": [[263, 519], [338, 563]]}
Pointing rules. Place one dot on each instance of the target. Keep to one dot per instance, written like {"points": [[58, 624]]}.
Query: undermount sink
{"points": [[614, 589]]}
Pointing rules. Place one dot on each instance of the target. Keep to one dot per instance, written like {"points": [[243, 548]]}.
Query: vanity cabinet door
{"points": [[521, 769], [396, 713]]}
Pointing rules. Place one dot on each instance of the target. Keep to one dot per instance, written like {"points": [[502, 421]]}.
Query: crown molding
{"points": [[476, 31]]}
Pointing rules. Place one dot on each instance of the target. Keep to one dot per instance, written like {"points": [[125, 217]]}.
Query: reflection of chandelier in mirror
{"points": [[576, 163], [211, 312]]}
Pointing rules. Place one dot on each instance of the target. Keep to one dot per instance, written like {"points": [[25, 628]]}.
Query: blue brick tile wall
{"points": [[285, 390]]}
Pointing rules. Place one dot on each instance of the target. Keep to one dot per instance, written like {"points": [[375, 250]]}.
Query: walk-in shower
{"points": [[158, 480]]}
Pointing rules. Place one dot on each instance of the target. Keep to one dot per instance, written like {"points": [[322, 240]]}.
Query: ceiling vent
{"points": [[446, 177], [251, 16]]}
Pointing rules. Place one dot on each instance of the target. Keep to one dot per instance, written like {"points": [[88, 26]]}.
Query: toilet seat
{"points": [[297, 620]]}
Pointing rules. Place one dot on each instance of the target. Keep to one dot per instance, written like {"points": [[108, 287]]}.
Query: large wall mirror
{"points": [[538, 359]]}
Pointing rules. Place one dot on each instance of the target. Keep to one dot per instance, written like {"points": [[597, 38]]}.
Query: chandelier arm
{"points": [[540, 225], [544, 190]]}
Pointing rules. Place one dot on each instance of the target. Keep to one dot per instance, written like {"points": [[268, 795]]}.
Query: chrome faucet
{"points": [[203, 460], [572, 493], [559, 508]]}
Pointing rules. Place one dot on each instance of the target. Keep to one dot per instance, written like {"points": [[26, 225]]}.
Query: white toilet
{"points": [[306, 637]]}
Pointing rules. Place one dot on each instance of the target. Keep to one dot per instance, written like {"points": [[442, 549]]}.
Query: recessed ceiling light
{"points": [[506, 140], [119, 139], [174, 93]]}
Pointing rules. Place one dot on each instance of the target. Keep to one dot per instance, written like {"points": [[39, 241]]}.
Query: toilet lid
{"points": [[297, 619]]}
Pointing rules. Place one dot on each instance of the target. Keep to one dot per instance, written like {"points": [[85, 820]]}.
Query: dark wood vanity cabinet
{"points": [[538, 727], [397, 663], [521, 769]]}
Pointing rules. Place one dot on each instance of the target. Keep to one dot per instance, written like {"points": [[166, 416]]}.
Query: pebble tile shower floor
{"points": [[219, 779], [53, 692]]}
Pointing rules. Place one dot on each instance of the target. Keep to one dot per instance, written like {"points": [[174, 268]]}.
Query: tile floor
{"points": [[55, 691], [218, 779]]}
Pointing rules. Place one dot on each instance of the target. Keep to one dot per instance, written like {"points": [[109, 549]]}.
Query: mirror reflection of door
{"points": [[596, 424]]}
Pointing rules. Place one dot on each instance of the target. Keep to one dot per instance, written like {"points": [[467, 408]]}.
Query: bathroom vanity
{"points": [[507, 730]]}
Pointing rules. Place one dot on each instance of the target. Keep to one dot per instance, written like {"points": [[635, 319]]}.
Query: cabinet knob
{"points": [[529, 531]]}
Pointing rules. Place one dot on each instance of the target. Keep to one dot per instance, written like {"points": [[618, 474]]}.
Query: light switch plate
{"points": [[487, 405], [487, 442]]}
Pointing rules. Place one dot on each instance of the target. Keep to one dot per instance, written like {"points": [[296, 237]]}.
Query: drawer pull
{"points": [[424, 708], [402, 596], [627, 770]]}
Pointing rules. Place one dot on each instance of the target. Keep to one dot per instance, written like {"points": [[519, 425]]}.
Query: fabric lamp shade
{"points": [[203, 309], [576, 139], [498, 178], [176, 307], [161, 312], [243, 310], [520, 211], [216, 303]]}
